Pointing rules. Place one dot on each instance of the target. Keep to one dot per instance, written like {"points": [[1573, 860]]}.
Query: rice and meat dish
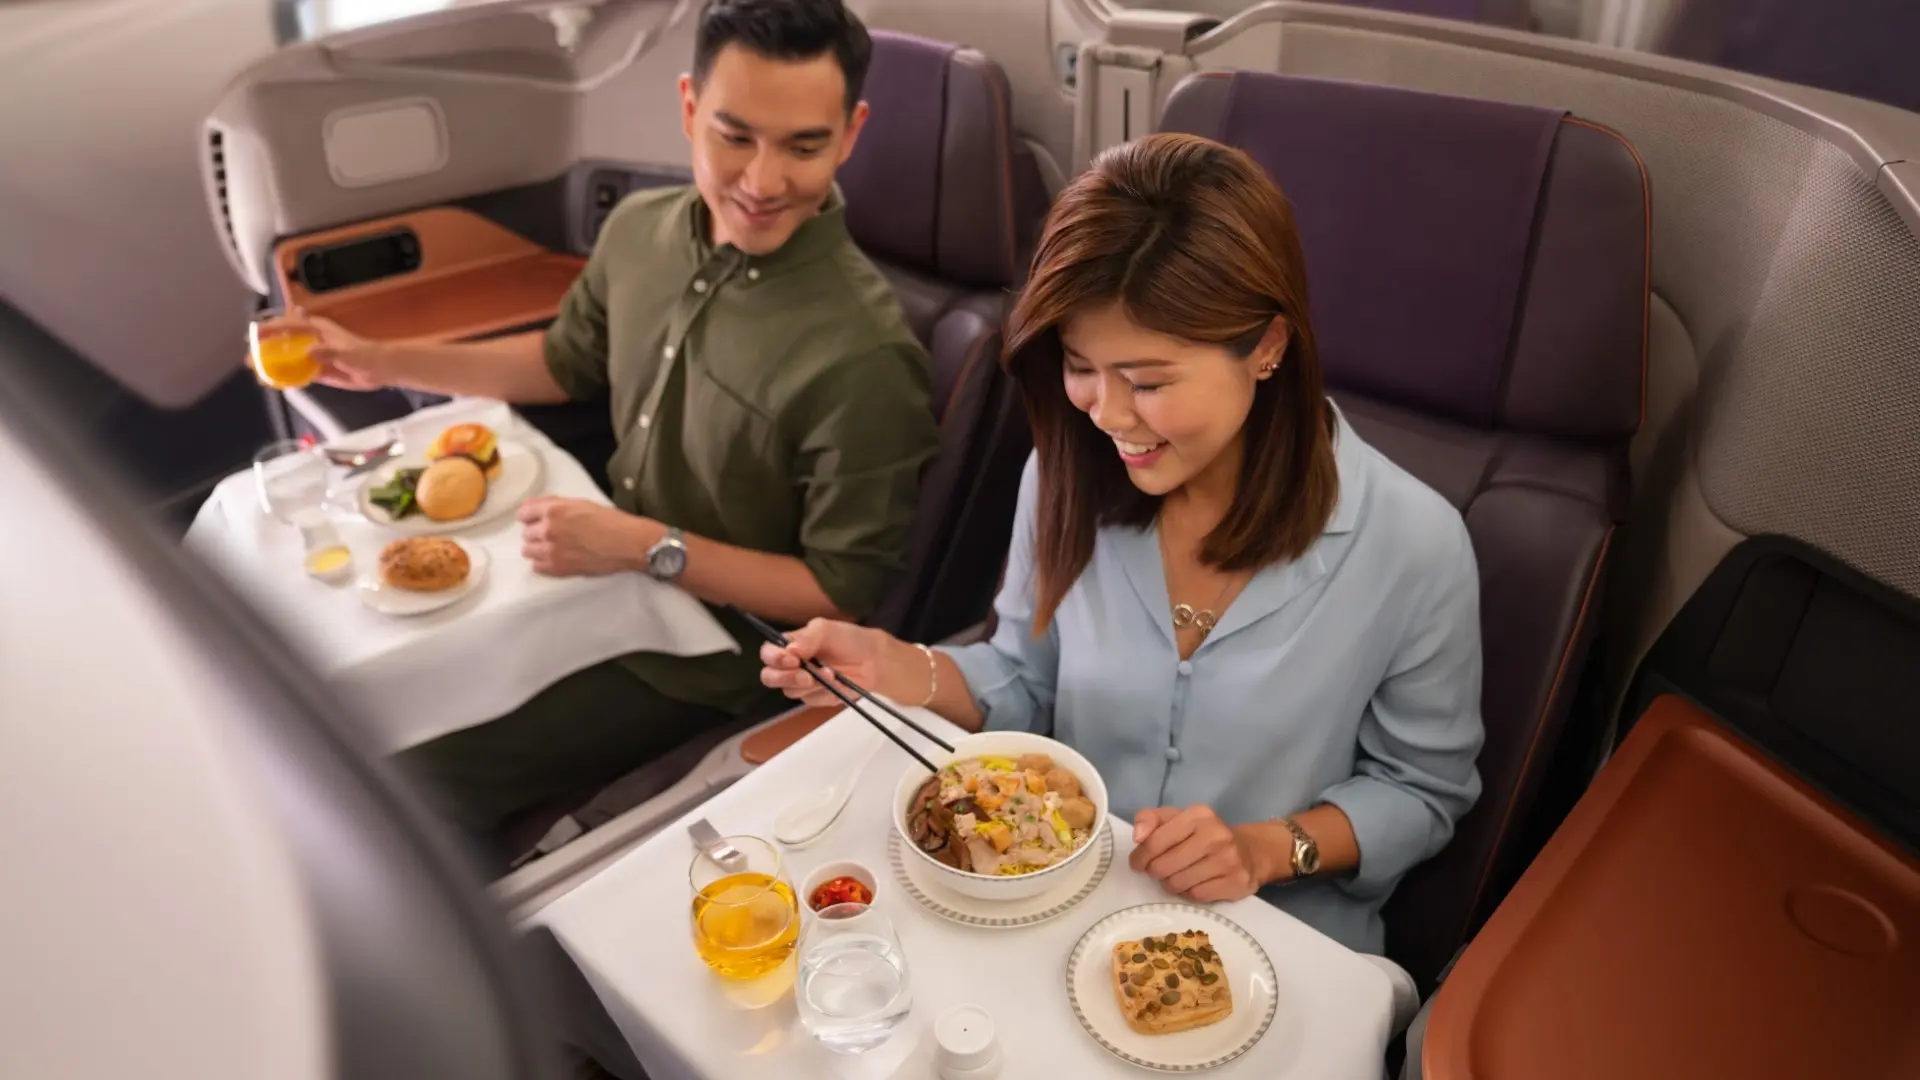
{"points": [[1001, 815]]}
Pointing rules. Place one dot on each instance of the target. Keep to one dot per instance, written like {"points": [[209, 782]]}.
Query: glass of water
{"points": [[291, 478], [853, 988]]}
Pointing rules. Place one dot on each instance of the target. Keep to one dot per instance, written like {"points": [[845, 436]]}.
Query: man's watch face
{"points": [[667, 561]]}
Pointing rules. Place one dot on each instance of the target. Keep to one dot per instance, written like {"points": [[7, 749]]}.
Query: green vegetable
{"points": [[396, 495]]}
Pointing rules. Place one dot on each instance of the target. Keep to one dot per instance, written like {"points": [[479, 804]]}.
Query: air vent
{"points": [[217, 178]]}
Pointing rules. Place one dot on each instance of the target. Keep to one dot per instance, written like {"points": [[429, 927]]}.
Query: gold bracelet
{"points": [[933, 674]]}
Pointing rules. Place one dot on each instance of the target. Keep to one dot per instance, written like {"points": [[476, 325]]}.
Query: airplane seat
{"points": [[1858, 47], [941, 197], [1514, 13], [947, 202], [1479, 282]]}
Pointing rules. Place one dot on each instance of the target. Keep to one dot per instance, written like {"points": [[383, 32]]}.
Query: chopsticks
{"points": [[814, 668]]}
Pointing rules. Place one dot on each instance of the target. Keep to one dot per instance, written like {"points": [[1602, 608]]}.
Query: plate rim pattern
{"points": [[1079, 1013], [896, 859]]}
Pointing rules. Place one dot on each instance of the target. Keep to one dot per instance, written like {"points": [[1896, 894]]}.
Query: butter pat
{"points": [[331, 563]]}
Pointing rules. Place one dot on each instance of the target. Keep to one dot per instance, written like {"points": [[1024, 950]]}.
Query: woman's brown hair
{"points": [[1193, 240]]}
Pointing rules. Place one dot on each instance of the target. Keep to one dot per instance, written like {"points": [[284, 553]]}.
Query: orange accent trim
{"points": [[475, 278], [1533, 746], [1701, 912], [1646, 303], [772, 740]]}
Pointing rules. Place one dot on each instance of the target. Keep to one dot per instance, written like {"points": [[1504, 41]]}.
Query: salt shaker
{"points": [[965, 1044]]}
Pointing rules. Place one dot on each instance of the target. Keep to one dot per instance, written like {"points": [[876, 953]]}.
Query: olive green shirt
{"points": [[774, 402]]}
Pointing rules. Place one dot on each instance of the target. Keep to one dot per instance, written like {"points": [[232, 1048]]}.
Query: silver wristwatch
{"points": [[667, 559]]}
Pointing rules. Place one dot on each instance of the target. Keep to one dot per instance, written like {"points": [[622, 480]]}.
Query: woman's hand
{"points": [[1192, 853], [858, 652]]}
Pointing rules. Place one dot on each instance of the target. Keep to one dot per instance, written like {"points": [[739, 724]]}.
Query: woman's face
{"points": [[1174, 409]]}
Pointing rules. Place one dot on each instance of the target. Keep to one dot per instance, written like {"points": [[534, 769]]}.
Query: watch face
{"points": [[1308, 858], [666, 561]]}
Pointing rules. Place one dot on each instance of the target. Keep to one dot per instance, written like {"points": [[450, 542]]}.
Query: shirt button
{"points": [[627, 483], [645, 422], [1185, 668], [699, 285], [753, 274], [667, 352], [1173, 753]]}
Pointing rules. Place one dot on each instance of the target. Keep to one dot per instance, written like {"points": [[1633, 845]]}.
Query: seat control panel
{"points": [[358, 261]]}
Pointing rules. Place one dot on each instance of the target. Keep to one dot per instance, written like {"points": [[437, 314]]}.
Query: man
{"points": [[770, 403]]}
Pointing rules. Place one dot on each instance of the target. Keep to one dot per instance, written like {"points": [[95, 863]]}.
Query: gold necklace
{"points": [[1185, 615]]}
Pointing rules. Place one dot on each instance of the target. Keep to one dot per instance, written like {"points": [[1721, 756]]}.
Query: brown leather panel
{"points": [[1701, 913], [767, 743], [475, 278]]}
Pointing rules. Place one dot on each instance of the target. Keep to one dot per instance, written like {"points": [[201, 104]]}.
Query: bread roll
{"points": [[424, 564], [450, 489]]}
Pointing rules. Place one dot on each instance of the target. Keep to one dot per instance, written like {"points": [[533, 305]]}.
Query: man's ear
{"points": [[689, 101], [856, 120]]}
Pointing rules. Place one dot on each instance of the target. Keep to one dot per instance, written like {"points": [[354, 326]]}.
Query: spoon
{"points": [[809, 818]]}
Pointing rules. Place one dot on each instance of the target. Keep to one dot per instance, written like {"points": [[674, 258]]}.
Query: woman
{"points": [[1263, 634]]}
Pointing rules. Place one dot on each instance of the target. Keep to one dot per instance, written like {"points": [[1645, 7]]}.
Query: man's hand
{"points": [[1192, 853], [577, 538], [346, 359]]}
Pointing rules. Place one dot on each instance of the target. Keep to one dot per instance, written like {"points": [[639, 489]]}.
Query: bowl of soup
{"points": [[1005, 816]]}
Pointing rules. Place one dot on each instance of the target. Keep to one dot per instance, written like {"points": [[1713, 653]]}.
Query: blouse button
{"points": [[1185, 668], [1173, 753]]}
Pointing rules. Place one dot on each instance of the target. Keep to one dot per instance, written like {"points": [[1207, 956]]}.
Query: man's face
{"points": [[767, 138]]}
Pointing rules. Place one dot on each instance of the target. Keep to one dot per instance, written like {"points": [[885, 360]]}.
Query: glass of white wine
{"points": [[745, 916]]}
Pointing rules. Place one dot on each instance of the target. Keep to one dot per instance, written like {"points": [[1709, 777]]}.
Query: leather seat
{"points": [[943, 197], [1479, 275]]}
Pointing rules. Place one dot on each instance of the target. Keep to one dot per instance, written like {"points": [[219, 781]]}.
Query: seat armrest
{"points": [[766, 742]]}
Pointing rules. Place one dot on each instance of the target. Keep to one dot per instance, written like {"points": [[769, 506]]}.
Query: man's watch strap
{"points": [[667, 558]]}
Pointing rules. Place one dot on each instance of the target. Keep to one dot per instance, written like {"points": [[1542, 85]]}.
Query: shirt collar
{"points": [[817, 236], [1273, 587], [1350, 462]]}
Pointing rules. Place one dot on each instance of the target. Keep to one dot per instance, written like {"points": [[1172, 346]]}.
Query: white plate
{"points": [[388, 600], [520, 473], [1255, 986], [1076, 885]]}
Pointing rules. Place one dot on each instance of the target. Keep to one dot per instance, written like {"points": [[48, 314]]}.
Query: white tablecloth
{"points": [[627, 927], [420, 677]]}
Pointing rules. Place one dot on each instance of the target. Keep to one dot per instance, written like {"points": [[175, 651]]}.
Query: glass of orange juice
{"points": [[282, 351], [745, 916]]}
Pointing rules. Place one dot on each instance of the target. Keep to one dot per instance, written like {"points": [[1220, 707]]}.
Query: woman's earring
{"points": [[1268, 368]]}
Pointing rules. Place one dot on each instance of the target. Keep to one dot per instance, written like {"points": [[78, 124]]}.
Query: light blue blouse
{"points": [[1349, 676]]}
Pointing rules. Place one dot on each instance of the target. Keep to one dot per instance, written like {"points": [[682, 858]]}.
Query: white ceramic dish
{"points": [[917, 882], [391, 601], [1090, 989], [1003, 744], [521, 470], [828, 871]]}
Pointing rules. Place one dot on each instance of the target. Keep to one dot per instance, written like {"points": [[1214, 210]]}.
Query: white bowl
{"points": [[1001, 744], [828, 871]]}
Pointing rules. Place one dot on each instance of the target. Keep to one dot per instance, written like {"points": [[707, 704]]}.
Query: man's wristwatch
{"points": [[1306, 851], [667, 558]]}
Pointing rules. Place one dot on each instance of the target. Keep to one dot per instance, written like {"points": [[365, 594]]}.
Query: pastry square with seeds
{"points": [[1171, 982]]}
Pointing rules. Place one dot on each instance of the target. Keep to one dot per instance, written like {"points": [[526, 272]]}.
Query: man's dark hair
{"points": [[785, 30]]}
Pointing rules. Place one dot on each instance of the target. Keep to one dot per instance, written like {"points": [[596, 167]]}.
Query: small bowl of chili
{"points": [[838, 883]]}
